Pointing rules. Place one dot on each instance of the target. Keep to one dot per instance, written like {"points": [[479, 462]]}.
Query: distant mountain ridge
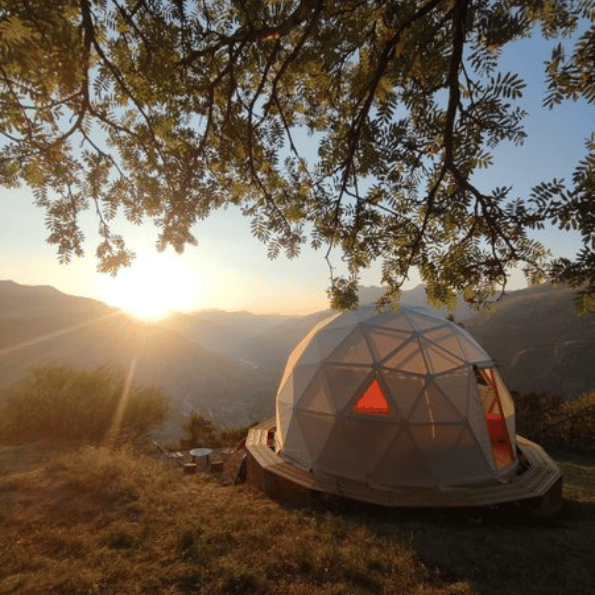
{"points": [[270, 348], [227, 364], [535, 337], [539, 341], [221, 331], [39, 326], [533, 334]]}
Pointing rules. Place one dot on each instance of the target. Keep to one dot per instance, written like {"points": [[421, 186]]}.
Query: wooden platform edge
{"points": [[540, 485]]}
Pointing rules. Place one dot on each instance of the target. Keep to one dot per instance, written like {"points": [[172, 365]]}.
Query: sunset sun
{"points": [[153, 288]]}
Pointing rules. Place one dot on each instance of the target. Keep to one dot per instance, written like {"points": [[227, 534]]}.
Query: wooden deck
{"points": [[541, 482]]}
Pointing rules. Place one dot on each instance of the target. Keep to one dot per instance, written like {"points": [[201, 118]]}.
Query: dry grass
{"points": [[99, 521], [107, 522]]}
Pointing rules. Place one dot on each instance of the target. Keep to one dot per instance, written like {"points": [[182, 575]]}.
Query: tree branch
{"points": [[456, 59]]}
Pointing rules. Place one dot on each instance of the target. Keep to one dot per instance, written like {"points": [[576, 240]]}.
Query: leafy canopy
{"points": [[169, 109]]}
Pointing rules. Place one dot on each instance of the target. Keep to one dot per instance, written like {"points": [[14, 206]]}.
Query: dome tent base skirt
{"points": [[539, 486]]}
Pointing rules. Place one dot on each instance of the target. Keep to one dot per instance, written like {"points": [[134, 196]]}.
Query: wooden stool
{"points": [[216, 466]]}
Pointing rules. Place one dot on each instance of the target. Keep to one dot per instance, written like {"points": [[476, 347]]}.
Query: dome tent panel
{"points": [[353, 349], [285, 384], [311, 354], [284, 415], [408, 358], [437, 445], [347, 320], [329, 339], [433, 407], [405, 389], [457, 458], [393, 320], [438, 359], [441, 333], [384, 342], [296, 447], [455, 384], [346, 382], [473, 352], [355, 448], [403, 465], [302, 376], [317, 397], [478, 424], [299, 353], [446, 337], [366, 313], [423, 319], [316, 429], [285, 394]]}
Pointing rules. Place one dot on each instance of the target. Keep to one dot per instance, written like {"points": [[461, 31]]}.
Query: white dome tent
{"points": [[363, 389], [400, 407]]}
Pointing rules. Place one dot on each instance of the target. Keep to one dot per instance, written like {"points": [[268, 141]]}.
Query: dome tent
{"points": [[400, 408], [395, 399]]}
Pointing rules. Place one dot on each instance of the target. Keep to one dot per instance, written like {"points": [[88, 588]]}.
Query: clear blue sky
{"points": [[229, 268]]}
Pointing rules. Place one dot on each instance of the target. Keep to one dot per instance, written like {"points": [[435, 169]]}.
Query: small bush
{"points": [[535, 411], [63, 404], [575, 429], [199, 431], [554, 421]]}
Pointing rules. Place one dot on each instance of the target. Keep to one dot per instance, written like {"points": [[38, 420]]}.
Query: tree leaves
{"points": [[509, 86], [168, 110]]}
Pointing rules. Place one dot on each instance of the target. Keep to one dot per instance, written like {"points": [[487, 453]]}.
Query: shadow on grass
{"points": [[501, 550]]}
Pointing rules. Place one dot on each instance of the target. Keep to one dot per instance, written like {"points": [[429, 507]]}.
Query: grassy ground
{"points": [[98, 521]]}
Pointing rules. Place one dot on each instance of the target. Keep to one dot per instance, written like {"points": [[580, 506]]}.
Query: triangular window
{"points": [[373, 401]]}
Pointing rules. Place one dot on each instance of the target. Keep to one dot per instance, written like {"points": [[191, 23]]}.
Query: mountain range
{"points": [[226, 365], [40, 325]]}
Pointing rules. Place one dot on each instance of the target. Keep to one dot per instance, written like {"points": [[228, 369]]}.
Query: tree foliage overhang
{"points": [[169, 109]]}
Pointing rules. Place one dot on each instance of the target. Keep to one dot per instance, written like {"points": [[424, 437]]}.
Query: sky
{"points": [[229, 269]]}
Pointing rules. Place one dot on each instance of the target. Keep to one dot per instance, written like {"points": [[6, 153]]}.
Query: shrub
{"points": [[576, 428], [535, 412], [199, 431], [63, 404], [568, 424]]}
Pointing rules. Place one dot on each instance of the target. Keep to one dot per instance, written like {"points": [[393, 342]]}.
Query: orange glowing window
{"points": [[494, 417], [373, 401]]}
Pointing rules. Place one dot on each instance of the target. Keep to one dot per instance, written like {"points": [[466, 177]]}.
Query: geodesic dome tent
{"points": [[395, 399]]}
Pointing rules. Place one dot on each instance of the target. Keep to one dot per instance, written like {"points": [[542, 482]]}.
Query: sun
{"points": [[154, 287]]}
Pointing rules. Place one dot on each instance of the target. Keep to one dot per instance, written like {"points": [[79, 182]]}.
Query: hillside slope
{"points": [[539, 342], [222, 332], [270, 348], [534, 335], [100, 521], [41, 326]]}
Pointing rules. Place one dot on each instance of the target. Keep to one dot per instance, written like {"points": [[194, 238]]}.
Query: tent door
{"points": [[494, 418]]}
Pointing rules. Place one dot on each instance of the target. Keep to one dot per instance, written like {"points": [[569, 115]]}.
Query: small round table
{"points": [[196, 453]]}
